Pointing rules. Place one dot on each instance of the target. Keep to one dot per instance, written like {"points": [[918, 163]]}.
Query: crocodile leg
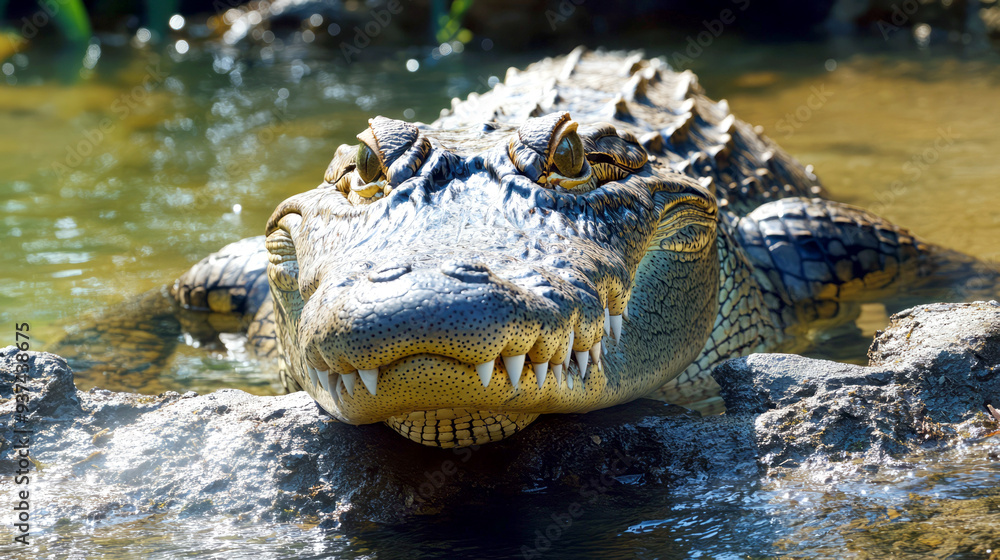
{"points": [[817, 261], [227, 292], [810, 264]]}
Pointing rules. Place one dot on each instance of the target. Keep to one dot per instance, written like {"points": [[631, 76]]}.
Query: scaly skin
{"points": [[459, 279], [496, 270]]}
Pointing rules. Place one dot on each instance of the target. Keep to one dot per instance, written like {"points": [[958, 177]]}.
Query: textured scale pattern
{"points": [[458, 427], [668, 112], [229, 281], [817, 260], [744, 324], [490, 278], [228, 291]]}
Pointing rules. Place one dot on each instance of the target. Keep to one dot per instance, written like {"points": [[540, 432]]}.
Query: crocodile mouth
{"points": [[572, 382], [442, 401]]}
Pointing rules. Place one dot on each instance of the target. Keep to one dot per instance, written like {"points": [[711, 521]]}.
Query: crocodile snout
{"points": [[460, 310]]}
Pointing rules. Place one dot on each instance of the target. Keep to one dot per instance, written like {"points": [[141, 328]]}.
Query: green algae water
{"points": [[117, 175]]}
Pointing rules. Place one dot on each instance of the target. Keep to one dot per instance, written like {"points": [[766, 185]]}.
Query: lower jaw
{"points": [[428, 384], [458, 427]]}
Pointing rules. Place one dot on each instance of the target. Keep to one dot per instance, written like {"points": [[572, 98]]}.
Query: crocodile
{"points": [[592, 230]]}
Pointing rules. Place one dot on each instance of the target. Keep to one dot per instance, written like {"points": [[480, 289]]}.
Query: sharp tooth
{"points": [[313, 374], [569, 349], [616, 327], [514, 365], [485, 372], [625, 313], [581, 358], [607, 322], [336, 382], [324, 380], [541, 370], [569, 381], [595, 352], [349, 379], [557, 369], [370, 378]]}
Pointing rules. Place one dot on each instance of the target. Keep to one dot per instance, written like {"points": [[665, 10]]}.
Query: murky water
{"points": [[117, 182]]}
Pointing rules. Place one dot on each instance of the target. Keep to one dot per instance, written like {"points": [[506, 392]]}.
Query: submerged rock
{"points": [[229, 453]]}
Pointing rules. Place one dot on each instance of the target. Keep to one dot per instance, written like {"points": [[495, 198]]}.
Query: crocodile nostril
{"points": [[388, 273], [471, 273]]}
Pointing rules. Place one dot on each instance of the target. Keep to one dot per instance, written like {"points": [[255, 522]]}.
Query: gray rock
{"points": [[930, 375], [250, 457], [247, 456]]}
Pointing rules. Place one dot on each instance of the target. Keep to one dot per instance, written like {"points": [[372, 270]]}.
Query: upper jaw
{"points": [[571, 381]]}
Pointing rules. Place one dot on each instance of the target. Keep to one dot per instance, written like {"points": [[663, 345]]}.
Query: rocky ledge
{"points": [[95, 454]]}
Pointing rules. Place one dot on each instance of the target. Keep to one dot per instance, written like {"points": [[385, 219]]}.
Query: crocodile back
{"points": [[683, 130]]}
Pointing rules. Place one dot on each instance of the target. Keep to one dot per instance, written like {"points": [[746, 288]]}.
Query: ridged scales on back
{"points": [[667, 111], [430, 249]]}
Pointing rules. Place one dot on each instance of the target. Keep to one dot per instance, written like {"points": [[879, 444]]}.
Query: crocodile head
{"points": [[457, 284]]}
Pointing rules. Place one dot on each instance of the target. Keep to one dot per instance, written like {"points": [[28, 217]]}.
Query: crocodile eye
{"points": [[550, 152], [368, 165], [568, 157]]}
